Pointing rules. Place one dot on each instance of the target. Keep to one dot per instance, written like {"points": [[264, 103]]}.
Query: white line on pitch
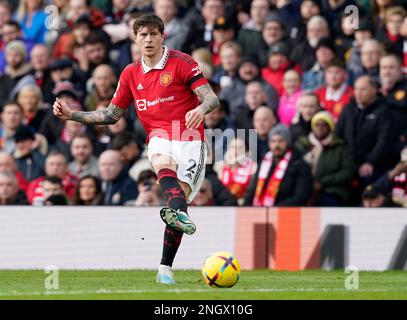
{"points": [[135, 291]]}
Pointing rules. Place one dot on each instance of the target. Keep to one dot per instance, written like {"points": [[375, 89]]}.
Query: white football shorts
{"points": [[190, 157]]}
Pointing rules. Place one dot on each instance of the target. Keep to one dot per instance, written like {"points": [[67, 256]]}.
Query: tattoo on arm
{"points": [[208, 98], [110, 115]]}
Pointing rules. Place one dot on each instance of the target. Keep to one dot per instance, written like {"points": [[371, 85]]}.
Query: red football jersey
{"points": [[162, 94]]}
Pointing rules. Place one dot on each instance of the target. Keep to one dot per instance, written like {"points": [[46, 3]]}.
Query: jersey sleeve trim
{"points": [[194, 79]]}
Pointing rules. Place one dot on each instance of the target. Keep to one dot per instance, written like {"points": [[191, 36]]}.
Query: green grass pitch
{"points": [[261, 284]]}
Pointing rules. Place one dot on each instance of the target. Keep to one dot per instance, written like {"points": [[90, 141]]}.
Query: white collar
{"points": [[335, 95], [160, 64]]}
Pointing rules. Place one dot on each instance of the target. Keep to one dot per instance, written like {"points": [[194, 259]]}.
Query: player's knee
{"points": [[161, 161]]}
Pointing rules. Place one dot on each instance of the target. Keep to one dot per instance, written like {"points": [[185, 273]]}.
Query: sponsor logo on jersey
{"points": [[142, 104], [166, 78]]}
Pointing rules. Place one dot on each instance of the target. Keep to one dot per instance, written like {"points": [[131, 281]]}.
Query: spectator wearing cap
{"points": [[278, 64], [55, 165], [353, 55], [30, 162], [103, 87], [330, 161], [67, 41], [11, 31], [32, 18], [10, 193], [234, 91], [336, 94], [305, 53], [297, 28], [200, 28], [307, 105], [287, 108], [84, 162], [370, 54], [223, 32], [273, 32], [17, 72], [282, 178], [315, 77], [250, 35], [390, 34], [175, 31], [394, 90], [364, 124], [40, 60], [217, 121]]}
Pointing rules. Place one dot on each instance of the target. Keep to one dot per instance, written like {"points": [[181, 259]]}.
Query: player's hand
{"points": [[366, 170], [194, 118], [61, 110]]}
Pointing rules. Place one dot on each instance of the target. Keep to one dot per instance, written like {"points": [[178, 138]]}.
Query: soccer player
{"points": [[171, 98]]}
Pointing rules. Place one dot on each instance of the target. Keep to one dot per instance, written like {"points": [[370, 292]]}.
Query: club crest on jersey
{"points": [[166, 78]]}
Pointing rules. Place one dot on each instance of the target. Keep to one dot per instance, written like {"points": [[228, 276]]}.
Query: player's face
{"points": [[149, 41]]}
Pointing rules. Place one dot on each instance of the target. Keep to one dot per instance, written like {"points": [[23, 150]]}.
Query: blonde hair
{"points": [[395, 10], [231, 45], [203, 54], [31, 87]]}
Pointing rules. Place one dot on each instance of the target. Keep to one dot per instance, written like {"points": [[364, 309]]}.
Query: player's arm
{"points": [[110, 115], [207, 97], [209, 101]]}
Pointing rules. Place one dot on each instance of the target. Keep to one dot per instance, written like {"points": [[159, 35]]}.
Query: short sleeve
{"points": [[192, 74], [123, 96]]}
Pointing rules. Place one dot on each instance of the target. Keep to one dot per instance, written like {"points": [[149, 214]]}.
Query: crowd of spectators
{"points": [[322, 82]]}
